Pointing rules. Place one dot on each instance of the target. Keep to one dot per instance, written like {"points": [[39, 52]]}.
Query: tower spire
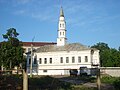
{"points": [[61, 40], [61, 12]]}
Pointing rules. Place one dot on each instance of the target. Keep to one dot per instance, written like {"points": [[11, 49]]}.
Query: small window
{"points": [[86, 58], [79, 59], [67, 59], [73, 59], [44, 71], [45, 61], [40, 60], [50, 60], [61, 59]]}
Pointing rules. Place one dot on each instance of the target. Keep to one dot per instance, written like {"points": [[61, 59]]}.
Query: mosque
{"points": [[59, 58]]}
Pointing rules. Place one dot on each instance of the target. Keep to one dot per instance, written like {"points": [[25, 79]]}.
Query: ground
{"points": [[14, 82]]}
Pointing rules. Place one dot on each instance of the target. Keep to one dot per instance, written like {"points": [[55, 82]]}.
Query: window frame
{"points": [[45, 60], [73, 59], [67, 59], [86, 58], [79, 59], [61, 59], [40, 60], [50, 61]]}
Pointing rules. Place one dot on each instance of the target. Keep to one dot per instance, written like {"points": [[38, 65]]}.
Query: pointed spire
{"points": [[61, 12]]}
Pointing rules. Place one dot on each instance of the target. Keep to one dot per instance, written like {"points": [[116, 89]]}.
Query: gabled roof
{"points": [[37, 44], [68, 47]]}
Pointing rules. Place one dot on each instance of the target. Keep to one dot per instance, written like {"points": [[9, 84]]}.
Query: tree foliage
{"points": [[109, 57], [11, 49]]}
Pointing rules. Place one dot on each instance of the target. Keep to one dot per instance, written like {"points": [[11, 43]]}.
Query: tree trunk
{"points": [[10, 64], [2, 67]]}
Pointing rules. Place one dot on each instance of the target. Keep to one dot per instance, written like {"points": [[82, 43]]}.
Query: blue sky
{"points": [[88, 21]]}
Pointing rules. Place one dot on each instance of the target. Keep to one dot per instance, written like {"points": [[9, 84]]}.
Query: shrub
{"points": [[108, 79], [117, 84]]}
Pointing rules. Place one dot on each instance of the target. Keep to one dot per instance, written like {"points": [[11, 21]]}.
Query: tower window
{"points": [[60, 33], [63, 33], [60, 25]]}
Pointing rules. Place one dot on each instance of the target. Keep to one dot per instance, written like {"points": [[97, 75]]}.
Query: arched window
{"points": [[60, 24], [60, 33], [63, 33]]}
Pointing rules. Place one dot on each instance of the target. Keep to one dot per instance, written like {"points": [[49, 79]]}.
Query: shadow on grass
{"points": [[48, 83], [15, 82], [11, 82], [78, 80]]}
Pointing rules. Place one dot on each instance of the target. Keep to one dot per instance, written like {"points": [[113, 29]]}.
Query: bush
{"points": [[108, 79], [117, 84], [81, 87]]}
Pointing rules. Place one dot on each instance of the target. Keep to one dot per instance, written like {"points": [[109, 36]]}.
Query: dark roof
{"points": [[67, 47], [38, 43]]}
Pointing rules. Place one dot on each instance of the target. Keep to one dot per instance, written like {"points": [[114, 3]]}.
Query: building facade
{"points": [[60, 58]]}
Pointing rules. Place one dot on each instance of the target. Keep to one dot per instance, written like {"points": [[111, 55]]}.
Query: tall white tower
{"points": [[61, 40]]}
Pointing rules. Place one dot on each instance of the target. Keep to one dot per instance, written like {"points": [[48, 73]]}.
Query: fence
{"points": [[112, 71]]}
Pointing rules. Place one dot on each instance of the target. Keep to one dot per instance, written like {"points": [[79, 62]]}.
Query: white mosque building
{"points": [[58, 59]]}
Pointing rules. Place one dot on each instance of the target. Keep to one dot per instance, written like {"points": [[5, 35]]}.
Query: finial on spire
{"points": [[61, 12]]}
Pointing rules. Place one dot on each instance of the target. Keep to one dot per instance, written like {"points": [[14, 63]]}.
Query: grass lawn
{"points": [[14, 82]]}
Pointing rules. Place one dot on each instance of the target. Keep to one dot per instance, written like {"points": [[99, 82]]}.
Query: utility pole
{"points": [[98, 79], [25, 80], [31, 60]]}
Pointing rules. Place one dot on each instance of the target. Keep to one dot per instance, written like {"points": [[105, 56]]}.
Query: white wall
{"points": [[57, 68]]}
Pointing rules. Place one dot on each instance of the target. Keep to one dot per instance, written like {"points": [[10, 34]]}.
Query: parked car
{"points": [[73, 72], [83, 71]]}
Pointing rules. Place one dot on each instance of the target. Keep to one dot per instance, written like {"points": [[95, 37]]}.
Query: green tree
{"points": [[12, 51], [109, 57]]}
